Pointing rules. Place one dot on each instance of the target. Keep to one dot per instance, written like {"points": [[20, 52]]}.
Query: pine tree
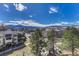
{"points": [[70, 39], [37, 42], [51, 38]]}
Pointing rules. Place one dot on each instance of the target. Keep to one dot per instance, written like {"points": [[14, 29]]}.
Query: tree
{"points": [[37, 42], [70, 39], [51, 38], [21, 37], [23, 53]]}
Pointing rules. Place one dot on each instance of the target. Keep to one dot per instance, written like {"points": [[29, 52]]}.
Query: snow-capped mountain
{"points": [[32, 24], [27, 23]]}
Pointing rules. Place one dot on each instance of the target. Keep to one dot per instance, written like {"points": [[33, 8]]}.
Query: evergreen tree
{"points": [[70, 39], [51, 38], [37, 42]]}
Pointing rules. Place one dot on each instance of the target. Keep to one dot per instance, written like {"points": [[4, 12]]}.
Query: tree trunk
{"points": [[37, 50], [73, 49], [53, 47]]}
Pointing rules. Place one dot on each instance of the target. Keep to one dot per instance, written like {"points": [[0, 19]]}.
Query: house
{"points": [[9, 37]]}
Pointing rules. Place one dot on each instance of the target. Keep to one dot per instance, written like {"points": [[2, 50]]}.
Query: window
{"points": [[8, 36]]}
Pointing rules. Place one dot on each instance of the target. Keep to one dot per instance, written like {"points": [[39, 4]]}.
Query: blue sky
{"points": [[39, 13]]}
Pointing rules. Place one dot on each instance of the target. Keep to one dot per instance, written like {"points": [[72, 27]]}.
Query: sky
{"points": [[39, 14]]}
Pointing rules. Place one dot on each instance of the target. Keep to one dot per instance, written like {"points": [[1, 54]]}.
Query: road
{"points": [[11, 49]]}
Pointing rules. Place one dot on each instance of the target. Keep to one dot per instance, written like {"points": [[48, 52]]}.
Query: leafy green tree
{"points": [[70, 39]]}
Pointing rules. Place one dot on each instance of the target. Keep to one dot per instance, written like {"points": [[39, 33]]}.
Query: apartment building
{"points": [[9, 37]]}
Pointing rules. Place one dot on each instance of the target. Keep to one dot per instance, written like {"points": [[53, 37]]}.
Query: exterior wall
{"points": [[8, 40], [13, 39], [1, 41]]}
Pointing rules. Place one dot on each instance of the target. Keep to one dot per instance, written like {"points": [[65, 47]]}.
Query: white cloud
{"points": [[1, 21], [19, 7], [57, 24], [77, 22], [52, 10], [33, 23], [62, 23], [36, 24], [30, 16], [8, 23], [6, 6], [27, 23]]}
